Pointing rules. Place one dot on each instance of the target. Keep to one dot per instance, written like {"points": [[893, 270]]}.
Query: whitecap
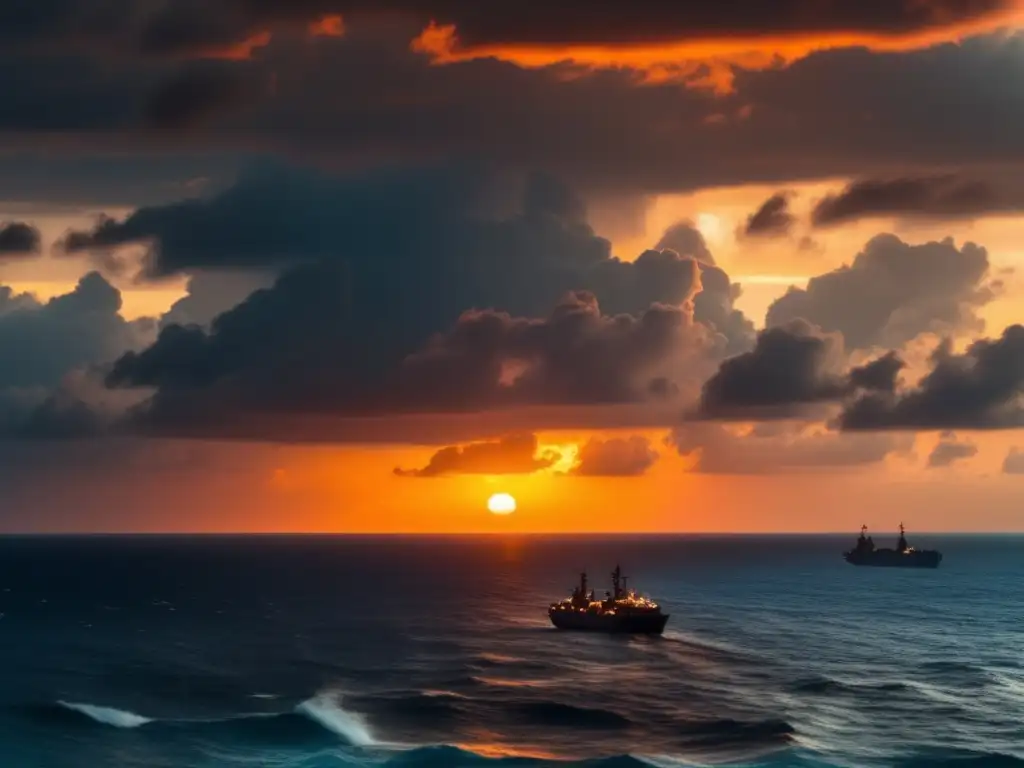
{"points": [[118, 718], [325, 709]]}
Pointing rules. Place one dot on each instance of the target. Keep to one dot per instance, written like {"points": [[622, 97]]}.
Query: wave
{"points": [[489, 660], [557, 714], [731, 733], [416, 708], [119, 718], [313, 719], [446, 755], [966, 759], [325, 709], [825, 685]]}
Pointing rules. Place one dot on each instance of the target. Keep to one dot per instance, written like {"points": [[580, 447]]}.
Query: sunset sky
{"points": [[329, 265]]}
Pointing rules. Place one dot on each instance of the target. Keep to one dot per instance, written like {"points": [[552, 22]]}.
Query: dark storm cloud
{"points": [[772, 219], [176, 26], [49, 355], [401, 108], [512, 455], [41, 342], [192, 95], [615, 457], [372, 264], [208, 294], [508, 21], [791, 367], [950, 450], [275, 354], [982, 388], [879, 375], [432, 241], [893, 292], [19, 239], [782, 447], [943, 196], [575, 356]]}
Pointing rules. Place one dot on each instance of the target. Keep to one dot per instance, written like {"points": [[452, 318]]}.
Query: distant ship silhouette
{"points": [[902, 557], [620, 612]]}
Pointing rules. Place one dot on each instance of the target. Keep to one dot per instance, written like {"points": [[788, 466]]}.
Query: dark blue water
{"points": [[303, 652]]}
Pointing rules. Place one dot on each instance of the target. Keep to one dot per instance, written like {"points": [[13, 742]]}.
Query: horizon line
{"points": [[477, 534]]}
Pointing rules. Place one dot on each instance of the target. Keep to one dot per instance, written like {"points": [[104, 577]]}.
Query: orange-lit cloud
{"points": [[239, 51], [328, 26], [703, 63]]}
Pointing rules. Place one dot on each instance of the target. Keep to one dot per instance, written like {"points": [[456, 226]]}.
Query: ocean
{"points": [[330, 652]]}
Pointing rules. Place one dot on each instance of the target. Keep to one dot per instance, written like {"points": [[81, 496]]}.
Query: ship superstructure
{"points": [[622, 610], [904, 556]]}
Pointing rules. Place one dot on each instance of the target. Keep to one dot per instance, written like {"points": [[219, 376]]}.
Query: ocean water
{"points": [[329, 652]]}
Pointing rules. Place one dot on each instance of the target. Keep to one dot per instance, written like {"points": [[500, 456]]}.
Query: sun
{"points": [[501, 504]]}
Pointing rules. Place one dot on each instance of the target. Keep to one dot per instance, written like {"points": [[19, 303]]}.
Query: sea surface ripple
{"points": [[327, 652]]}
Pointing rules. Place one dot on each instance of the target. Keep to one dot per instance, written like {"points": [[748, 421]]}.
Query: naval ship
{"points": [[902, 557], [622, 611]]}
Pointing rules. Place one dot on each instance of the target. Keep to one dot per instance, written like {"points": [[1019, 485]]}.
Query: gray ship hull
{"points": [[636, 624], [890, 558]]}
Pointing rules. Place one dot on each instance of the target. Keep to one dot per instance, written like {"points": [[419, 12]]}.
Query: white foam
{"points": [[325, 708], [108, 715]]}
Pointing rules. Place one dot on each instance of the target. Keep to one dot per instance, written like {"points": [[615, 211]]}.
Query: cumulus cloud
{"points": [[894, 291], [435, 241], [981, 388], [418, 252], [780, 447], [943, 196], [615, 457], [488, 359], [51, 353], [42, 341], [686, 240], [512, 455], [793, 365], [950, 450], [1013, 464], [208, 294], [19, 239], [791, 369], [878, 375], [772, 219]]}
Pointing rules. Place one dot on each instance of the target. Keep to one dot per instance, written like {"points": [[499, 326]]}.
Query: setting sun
{"points": [[501, 504]]}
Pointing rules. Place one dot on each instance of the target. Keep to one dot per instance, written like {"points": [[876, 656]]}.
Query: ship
{"points": [[622, 611], [903, 556]]}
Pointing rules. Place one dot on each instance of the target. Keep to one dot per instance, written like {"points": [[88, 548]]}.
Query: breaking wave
{"points": [[118, 718], [312, 719]]}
